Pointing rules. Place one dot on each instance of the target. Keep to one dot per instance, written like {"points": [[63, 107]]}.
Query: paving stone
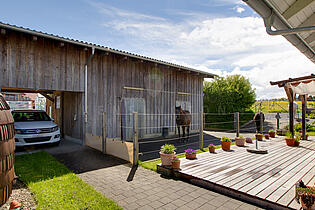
{"points": [[143, 202], [169, 206], [166, 200], [130, 199], [193, 204], [247, 206], [156, 204], [207, 206], [153, 198], [231, 205], [179, 202], [146, 207]]}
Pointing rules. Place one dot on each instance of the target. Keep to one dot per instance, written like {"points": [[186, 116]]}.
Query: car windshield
{"points": [[30, 116]]}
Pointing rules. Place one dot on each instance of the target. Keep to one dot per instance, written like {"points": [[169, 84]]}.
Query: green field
{"points": [[277, 106]]}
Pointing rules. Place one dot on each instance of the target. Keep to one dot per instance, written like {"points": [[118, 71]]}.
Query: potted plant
{"points": [[297, 140], [267, 136], [211, 148], [226, 143], [289, 139], [306, 196], [240, 141], [190, 154], [259, 137], [248, 140], [175, 162], [272, 133], [166, 153]]}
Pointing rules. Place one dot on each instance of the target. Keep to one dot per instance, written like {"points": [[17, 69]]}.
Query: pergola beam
{"points": [[282, 83], [289, 93]]}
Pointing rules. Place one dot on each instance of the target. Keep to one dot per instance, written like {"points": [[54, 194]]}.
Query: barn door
{"points": [[129, 106]]}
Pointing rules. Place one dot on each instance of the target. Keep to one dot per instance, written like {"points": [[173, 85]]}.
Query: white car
{"points": [[33, 127]]}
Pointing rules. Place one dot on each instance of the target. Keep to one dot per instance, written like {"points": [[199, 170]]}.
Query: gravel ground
{"points": [[22, 195]]}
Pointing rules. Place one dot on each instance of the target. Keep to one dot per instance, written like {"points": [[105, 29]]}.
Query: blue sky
{"points": [[219, 36]]}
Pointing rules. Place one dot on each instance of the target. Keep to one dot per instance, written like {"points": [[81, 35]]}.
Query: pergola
{"points": [[302, 86]]}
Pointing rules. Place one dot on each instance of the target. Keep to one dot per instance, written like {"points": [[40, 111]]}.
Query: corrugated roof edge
{"points": [[99, 47]]}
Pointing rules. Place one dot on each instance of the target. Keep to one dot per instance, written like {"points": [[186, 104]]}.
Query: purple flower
{"points": [[174, 159], [190, 151]]}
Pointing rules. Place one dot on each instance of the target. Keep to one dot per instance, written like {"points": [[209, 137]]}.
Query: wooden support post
{"points": [[104, 133], [261, 123], [303, 100], [289, 93], [201, 132], [135, 139], [237, 123]]}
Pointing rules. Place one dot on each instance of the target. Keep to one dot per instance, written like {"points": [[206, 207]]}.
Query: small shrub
{"points": [[225, 139], [168, 149], [289, 135]]}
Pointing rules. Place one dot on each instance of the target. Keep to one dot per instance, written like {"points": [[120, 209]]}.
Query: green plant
{"points": [[297, 138], [259, 134], [271, 131], [225, 139], [241, 137], [211, 146], [289, 135], [168, 149]]}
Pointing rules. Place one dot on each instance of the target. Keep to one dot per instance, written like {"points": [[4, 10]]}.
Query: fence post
{"points": [[237, 123], [201, 132], [135, 139], [104, 133]]}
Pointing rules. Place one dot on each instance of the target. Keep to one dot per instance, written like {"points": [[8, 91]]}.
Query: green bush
{"points": [[168, 149], [225, 139]]}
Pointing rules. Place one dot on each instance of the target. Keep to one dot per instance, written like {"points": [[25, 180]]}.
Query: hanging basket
{"points": [[7, 146]]}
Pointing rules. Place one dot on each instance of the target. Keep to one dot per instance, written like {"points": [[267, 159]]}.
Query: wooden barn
{"points": [[93, 90]]}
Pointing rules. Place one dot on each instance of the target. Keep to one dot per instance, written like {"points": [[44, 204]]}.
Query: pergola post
{"points": [[303, 100], [289, 93]]}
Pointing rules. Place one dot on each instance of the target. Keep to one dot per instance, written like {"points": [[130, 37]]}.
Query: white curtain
{"points": [[304, 88]]}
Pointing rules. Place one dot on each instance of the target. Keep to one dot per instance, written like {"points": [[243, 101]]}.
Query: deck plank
{"points": [[276, 172]]}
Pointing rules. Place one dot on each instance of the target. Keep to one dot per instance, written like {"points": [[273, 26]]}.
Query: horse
{"points": [[183, 119]]}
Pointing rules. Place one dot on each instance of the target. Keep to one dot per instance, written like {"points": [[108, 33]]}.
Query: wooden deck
{"points": [[262, 178]]}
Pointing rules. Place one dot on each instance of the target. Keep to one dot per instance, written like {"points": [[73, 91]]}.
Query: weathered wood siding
{"points": [[109, 74], [40, 64]]}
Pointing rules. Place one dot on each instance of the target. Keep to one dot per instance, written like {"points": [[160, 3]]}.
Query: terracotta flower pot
{"points": [[290, 141], [166, 159], [249, 140], [226, 145], [267, 136], [296, 143], [176, 164], [272, 134], [259, 137], [191, 156], [212, 149], [240, 141]]}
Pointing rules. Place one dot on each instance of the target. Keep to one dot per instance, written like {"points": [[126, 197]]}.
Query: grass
{"points": [[151, 164], [311, 133], [56, 187], [278, 106]]}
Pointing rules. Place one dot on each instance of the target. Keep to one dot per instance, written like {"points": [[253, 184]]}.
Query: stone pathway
{"points": [[149, 190]]}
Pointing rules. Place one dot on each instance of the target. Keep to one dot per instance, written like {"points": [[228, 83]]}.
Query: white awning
{"points": [[306, 87]]}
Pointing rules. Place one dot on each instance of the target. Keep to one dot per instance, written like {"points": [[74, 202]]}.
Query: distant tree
{"points": [[230, 94]]}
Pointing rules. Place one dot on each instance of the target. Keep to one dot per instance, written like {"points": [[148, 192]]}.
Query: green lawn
{"points": [[56, 187], [151, 164]]}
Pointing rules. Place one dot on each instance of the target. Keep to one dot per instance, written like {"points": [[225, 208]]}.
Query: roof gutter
{"points": [[274, 18]]}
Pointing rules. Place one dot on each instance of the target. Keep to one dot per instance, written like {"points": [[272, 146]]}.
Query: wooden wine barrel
{"points": [[7, 146]]}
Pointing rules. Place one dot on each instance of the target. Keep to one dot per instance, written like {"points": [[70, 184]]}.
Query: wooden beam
{"points": [[310, 38], [48, 97], [295, 8], [283, 82], [309, 21], [289, 93], [303, 100]]}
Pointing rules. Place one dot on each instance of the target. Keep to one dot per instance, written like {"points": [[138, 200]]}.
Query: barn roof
{"points": [[103, 48], [295, 20]]}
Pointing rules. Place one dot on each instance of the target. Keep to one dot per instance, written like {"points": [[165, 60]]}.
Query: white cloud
{"points": [[225, 45], [239, 9]]}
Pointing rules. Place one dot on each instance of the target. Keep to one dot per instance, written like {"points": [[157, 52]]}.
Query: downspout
{"points": [[86, 93]]}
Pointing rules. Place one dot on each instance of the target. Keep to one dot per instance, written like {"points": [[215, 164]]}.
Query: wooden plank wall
{"points": [[110, 73], [40, 64]]}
